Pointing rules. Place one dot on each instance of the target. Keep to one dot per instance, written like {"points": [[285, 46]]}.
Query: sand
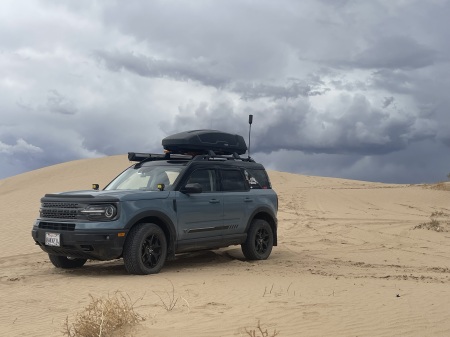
{"points": [[350, 262]]}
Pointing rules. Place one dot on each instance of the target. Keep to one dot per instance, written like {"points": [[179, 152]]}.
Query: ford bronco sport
{"points": [[199, 195]]}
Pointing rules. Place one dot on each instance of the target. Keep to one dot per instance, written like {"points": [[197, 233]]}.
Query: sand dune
{"points": [[352, 260]]}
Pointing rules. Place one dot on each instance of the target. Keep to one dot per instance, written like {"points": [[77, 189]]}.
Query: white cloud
{"points": [[21, 147]]}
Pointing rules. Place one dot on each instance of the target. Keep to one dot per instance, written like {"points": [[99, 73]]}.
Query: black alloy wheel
{"points": [[151, 251], [259, 242], [145, 249]]}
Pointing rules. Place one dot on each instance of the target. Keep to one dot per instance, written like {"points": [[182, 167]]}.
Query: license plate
{"points": [[52, 239]]}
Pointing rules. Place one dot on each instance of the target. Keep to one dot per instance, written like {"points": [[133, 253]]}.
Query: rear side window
{"points": [[233, 180], [257, 179]]}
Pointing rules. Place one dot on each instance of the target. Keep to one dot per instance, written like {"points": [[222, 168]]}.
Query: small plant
{"points": [[265, 290], [278, 292], [259, 332], [170, 301], [102, 317]]}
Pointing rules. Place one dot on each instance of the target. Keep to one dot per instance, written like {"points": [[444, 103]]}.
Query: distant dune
{"points": [[354, 259]]}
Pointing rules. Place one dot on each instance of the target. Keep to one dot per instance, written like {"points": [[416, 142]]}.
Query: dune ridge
{"points": [[352, 260]]}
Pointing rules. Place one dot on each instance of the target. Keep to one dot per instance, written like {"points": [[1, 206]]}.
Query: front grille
{"points": [[57, 226], [60, 210], [60, 205], [59, 213]]}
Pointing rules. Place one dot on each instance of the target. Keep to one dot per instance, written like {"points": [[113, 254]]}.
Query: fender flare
{"points": [[273, 221], [165, 222]]}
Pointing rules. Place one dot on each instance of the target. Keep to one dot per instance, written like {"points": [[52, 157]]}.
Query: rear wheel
{"points": [[66, 262], [145, 249], [259, 242]]}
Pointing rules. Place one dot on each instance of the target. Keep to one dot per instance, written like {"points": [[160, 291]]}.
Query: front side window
{"points": [[206, 178], [233, 180]]}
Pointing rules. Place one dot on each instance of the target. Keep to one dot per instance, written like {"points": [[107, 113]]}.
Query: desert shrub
{"points": [[102, 317], [432, 225]]}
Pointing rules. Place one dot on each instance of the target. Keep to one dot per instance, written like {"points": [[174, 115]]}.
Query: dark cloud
{"points": [[401, 167], [395, 52], [150, 67], [57, 103], [294, 89], [388, 101], [359, 128], [207, 74]]}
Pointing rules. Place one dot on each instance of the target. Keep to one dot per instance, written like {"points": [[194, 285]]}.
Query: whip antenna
{"points": [[250, 121]]}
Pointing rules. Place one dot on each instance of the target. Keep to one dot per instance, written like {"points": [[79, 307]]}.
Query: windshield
{"points": [[146, 178]]}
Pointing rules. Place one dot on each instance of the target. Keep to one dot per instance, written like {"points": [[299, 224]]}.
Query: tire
{"points": [[259, 242], [66, 262], [145, 249]]}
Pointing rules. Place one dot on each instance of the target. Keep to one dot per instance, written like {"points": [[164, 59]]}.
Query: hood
{"points": [[116, 195]]}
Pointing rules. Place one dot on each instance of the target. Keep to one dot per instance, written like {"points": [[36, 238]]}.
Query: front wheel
{"points": [[259, 242], [145, 249], [66, 262]]}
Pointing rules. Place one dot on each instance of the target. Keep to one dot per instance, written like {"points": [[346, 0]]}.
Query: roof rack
{"points": [[134, 156], [211, 155]]}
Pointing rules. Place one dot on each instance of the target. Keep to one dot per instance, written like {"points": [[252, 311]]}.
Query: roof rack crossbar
{"points": [[139, 157], [211, 155]]}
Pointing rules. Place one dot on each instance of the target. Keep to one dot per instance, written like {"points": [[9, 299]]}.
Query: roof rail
{"points": [[134, 156], [211, 155]]}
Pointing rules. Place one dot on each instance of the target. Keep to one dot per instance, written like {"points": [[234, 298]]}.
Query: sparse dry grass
{"points": [[438, 222], [439, 214], [102, 317], [442, 186], [259, 332]]}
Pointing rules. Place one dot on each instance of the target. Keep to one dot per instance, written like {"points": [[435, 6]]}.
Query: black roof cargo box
{"points": [[200, 141]]}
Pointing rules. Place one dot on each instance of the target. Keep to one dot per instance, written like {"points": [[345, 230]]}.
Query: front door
{"points": [[200, 215]]}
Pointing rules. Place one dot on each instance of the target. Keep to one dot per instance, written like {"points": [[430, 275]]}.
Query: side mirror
{"points": [[192, 188], [95, 187]]}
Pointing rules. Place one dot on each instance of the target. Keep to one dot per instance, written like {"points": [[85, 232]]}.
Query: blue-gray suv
{"points": [[162, 205]]}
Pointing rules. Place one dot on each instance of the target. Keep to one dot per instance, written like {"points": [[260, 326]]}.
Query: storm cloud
{"points": [[337, 88]]}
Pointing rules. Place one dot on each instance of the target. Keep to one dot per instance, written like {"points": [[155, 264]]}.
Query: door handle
{"points": [[248, 200], [214, 201]]}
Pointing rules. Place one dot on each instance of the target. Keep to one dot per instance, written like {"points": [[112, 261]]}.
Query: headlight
{"points": [[100, 212]]}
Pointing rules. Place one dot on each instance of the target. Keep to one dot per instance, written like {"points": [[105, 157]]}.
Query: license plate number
{"points": [[52, 239]]}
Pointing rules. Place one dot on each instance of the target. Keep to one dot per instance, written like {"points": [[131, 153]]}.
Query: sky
{"points": [[338, 88]]}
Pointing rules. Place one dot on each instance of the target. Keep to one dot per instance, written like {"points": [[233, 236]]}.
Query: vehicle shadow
{"points": [[182, 262], [200, 259]]}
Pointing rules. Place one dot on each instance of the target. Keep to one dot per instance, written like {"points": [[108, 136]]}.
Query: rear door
{"points": [[237, 200]]}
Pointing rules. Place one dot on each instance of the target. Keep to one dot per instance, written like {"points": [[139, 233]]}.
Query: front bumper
{"points": [[102, 244]]}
